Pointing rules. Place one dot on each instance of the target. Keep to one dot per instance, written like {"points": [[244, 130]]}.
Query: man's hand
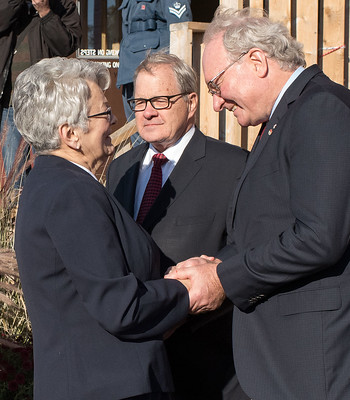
{"points": [[206, 292], [42, 6]]}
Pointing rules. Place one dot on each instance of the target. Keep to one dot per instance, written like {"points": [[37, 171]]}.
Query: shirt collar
{"points": [[85, 169], [291, 79], [174, 152]]}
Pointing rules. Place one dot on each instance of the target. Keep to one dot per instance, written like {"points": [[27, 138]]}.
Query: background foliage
{"points": [[16, 358]]}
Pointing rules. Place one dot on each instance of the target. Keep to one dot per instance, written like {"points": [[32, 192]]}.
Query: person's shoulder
{"points": [[224, 148], [132, 154], [56, 180], [320, 90]]}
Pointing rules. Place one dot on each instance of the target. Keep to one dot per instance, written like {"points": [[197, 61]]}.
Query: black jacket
{"points": [[56, 34], [88, 275]]}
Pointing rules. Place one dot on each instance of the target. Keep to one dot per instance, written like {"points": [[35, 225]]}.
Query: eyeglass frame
{"points": [[108, 112], [152, 98], [213, 88]]}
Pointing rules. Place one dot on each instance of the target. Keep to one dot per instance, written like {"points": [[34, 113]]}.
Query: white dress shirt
{"points": [[173, 155]]}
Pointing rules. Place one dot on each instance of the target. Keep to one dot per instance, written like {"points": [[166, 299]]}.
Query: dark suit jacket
{"points": [[188, 219], [287, 269], [86, 271]]}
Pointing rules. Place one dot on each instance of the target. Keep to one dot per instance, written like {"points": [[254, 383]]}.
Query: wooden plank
{"points": [[236, 4], [280, 10], [307, 28], [181, 38], [256, 4], [252, 134], [333, 37], [181, 41]]}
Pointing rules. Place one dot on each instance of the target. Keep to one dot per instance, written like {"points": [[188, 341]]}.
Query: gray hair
{"points": [[186, 77], [53, 92], [248, 28]]}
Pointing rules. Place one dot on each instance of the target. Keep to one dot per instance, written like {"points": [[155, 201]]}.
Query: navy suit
{"points": [[189, 219], [88, 273], [287, 268]]}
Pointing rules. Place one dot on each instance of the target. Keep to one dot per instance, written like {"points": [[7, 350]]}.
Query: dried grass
{"points": [[14, 322]]}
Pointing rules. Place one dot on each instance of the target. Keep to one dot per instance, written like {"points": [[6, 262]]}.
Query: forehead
{"points": [[160, 81], [215, 57], [97, 94]]}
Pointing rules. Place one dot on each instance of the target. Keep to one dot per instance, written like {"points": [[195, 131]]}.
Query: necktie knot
{"points": [[159, 159]]}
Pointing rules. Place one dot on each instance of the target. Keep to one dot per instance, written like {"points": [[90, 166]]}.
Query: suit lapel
{"points": [[292, 93], [127, 186], [185, 170]]}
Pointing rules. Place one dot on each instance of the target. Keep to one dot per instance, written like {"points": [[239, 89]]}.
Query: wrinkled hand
{"points": [[206, 292], [42, 6]]}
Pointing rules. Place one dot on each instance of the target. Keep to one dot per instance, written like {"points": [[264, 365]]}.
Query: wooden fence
{"points": [[321, 25]]}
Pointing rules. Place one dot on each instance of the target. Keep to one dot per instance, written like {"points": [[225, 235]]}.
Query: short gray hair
{"points": [[248, 28], [186, 77], [53, 92]]}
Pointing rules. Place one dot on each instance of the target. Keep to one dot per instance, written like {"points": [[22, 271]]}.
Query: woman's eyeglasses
{"points": [[108, 112]]}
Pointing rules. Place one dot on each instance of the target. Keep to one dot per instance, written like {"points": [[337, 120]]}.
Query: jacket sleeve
{"points": [[316, 238], [9, 13], [85, 233], [61, 29]]}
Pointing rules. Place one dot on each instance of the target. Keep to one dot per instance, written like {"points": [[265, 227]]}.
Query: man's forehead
{"points": [[157, 79], [214, 52]]}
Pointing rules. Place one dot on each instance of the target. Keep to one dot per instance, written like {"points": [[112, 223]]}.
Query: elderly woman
{"points": [[89, 272]]}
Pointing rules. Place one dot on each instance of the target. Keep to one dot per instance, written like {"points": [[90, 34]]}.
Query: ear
{"points": [[69, 136], [259, 62], [192, 103]]}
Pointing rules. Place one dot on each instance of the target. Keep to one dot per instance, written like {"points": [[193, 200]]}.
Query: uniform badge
{"points": [[177, 9]]}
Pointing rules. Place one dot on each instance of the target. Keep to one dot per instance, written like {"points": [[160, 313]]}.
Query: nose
{"points": [[218, 103], [149, 111], [113, 119]]}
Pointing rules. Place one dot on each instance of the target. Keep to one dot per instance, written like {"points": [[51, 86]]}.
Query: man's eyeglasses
{"points": [[157, 102], [108, 112], [214, 88]]}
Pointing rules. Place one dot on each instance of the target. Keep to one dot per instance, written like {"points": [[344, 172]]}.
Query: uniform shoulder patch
{"points": [[177, 9]]}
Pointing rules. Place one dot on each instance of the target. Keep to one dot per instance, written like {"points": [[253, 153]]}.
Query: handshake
{"points": [[199, 275]]}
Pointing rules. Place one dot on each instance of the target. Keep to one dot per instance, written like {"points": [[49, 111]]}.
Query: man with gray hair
{"points": [[184, 218], [287, 264]]}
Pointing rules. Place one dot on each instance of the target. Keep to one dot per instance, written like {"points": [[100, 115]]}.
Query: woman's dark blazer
{"points": [[89, 273]]}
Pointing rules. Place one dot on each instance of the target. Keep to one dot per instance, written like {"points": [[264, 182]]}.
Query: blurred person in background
{"points": [[30, 31]]}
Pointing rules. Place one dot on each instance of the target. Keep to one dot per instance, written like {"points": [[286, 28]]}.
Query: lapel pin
{"points": [[271, 130]]}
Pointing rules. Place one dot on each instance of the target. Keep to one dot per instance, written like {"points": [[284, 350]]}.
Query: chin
{"points": [[151, 137]]}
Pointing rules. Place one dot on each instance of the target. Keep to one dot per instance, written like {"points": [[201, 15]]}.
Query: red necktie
{"points": [[153, 187]]}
